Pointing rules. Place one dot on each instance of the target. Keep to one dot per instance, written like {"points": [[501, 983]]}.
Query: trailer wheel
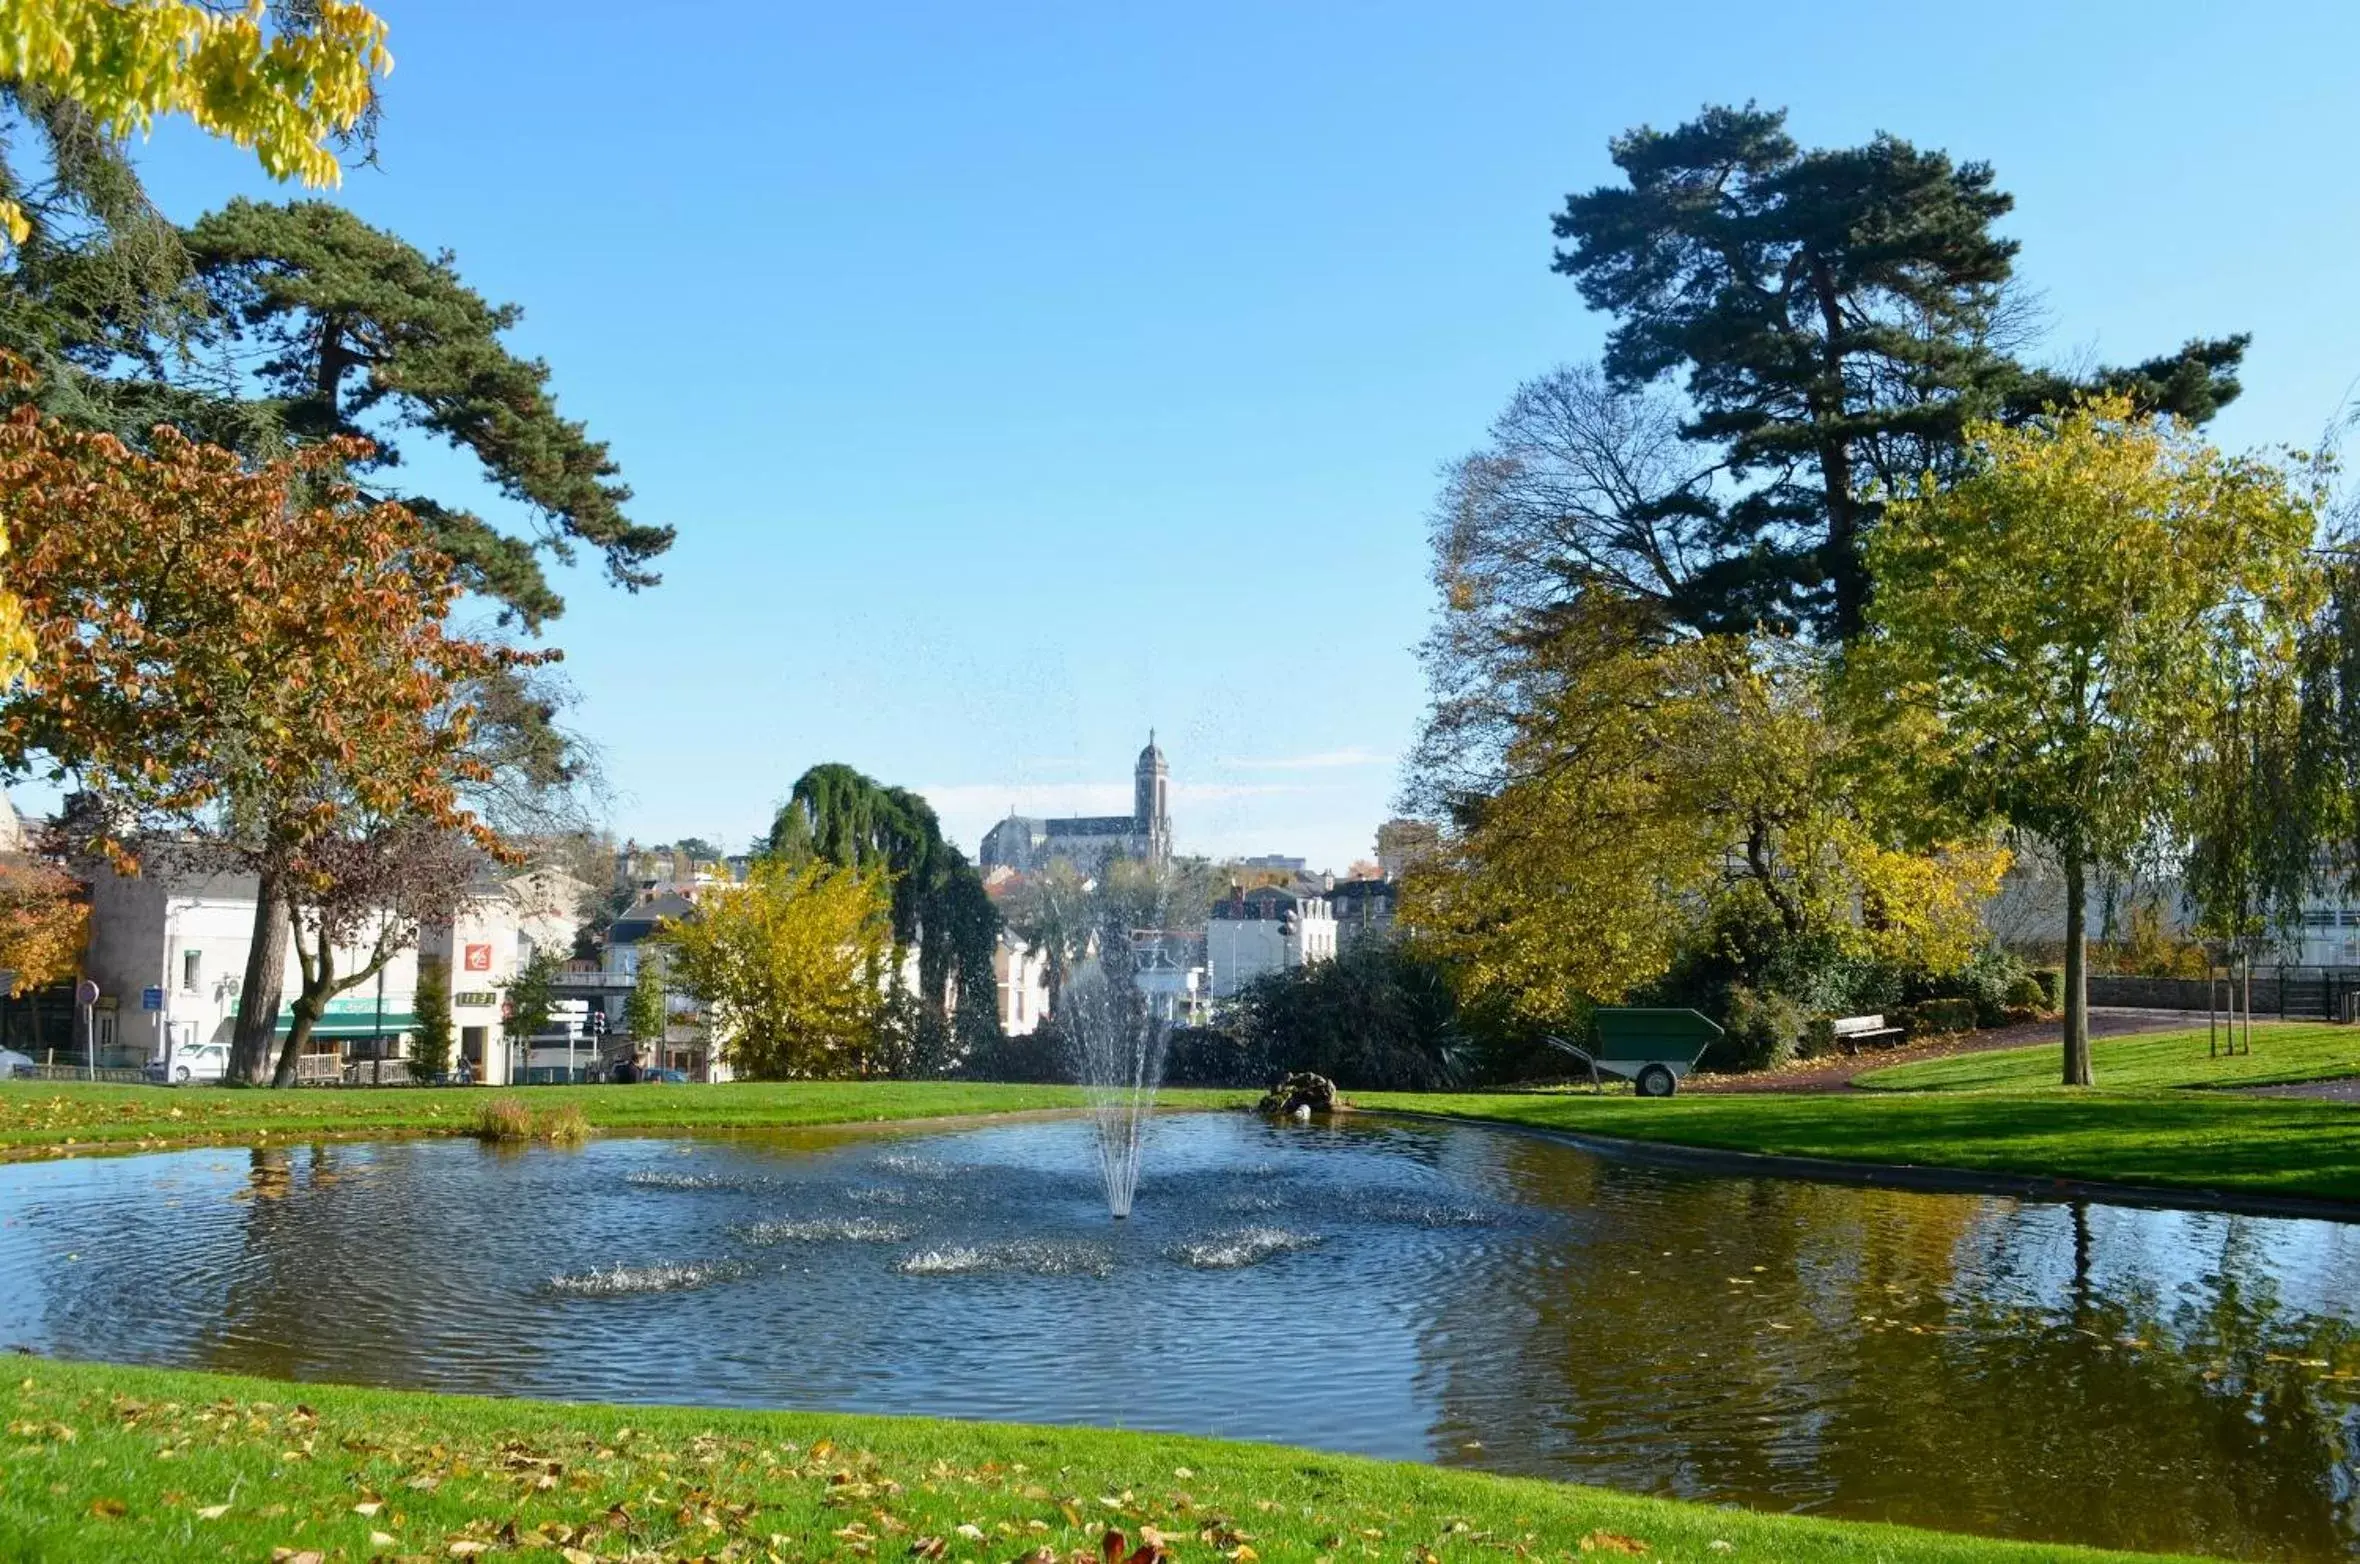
{"points": [[1657, 1080]]}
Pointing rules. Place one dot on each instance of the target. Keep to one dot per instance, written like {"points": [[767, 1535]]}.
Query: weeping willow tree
{"points": [[2323, 770], [2261, 804], [938, 907], [2276, 802]]}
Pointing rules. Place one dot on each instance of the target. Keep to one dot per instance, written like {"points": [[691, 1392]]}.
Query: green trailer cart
{"points": [[1652, 1049]]}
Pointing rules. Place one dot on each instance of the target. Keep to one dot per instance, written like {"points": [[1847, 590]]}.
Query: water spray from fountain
{"points": [[1119, 1046]]}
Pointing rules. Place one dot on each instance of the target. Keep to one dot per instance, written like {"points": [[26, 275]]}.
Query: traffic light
{"points": [[598, 1021], [1288, 924]]}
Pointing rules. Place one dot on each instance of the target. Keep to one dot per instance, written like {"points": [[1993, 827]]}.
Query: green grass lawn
{"points": [[99, 1462], [2150, 1135], [38, 1116], [2189, 1140], [2282, 1052]]}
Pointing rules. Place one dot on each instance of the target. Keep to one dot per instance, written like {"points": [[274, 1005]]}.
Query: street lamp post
{"points": [[86, 996]]}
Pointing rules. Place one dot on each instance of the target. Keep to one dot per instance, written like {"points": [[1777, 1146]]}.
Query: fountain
{"points": [[1119, 1058]]}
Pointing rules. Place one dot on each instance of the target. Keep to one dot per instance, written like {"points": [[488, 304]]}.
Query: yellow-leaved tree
{"points": [[1660, 788], [790, 968], [2069, 626], [286, 90]]}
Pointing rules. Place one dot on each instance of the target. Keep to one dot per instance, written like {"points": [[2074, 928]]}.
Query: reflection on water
{"points": [[2130, 1377]]}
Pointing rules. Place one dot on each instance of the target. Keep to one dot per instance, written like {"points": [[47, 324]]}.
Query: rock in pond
{"points": [[1300, 1094]]}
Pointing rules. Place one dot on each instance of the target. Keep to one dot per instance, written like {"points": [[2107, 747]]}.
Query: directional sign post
{"points": [[570, 1013]]}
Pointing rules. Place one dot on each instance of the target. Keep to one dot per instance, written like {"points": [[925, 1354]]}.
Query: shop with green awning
{"points": [[355, 1017]]}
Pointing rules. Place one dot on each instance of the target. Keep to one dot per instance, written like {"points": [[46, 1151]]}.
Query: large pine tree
{"points": [[1837, 317], [365, 334]]}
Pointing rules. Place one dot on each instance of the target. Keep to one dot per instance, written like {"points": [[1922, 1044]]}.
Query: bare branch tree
{"points": [[1582, 490]]}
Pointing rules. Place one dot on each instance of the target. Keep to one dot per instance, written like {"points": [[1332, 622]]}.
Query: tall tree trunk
{"points": [[319, 986], [1844, 567], [2077, 983], [258, 997], [307, 1014]]}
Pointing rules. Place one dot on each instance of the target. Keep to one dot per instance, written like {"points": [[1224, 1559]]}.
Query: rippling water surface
{"points": [[2137, 1378]]}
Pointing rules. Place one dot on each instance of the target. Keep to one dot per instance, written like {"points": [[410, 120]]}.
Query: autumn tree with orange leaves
{"points": [[251, 662], [44, 925]]}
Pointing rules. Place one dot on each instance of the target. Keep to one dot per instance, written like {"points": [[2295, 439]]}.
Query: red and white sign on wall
{"points": [[479, 958]]}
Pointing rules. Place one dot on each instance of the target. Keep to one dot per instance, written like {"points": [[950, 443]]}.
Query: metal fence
{"points": [[76, 1072], [2288, 993]]}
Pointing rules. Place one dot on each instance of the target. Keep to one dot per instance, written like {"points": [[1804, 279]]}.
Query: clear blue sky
{"points": [[1019, 377]]}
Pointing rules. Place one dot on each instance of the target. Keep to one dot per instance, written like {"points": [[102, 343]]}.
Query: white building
{"points": [[1261, 931], [168, 951], [1021, 974]]}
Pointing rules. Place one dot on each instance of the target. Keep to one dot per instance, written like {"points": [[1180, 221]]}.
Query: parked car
{"points": [[10, 1059], [666, 1077], [197, 1062]]}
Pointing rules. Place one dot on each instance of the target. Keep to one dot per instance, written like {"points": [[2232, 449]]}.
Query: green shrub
{"points": [[1760, 1032], [1985, 982], [1378, 1017], [1937, 1017], [430, 1044], [1818, 1039], [1043, 1054], [2026, 993], [2052, 984], [1744, 944], [1209, 1056]]}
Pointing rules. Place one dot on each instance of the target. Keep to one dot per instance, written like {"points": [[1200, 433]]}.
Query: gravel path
{"points": [[2346, 1089], [1837, 1071]]}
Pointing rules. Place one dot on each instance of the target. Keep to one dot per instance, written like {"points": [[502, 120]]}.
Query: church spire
{"points": [[1151, 814]]}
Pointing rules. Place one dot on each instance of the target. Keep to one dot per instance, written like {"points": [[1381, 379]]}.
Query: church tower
{"points": [[1151, 814]]}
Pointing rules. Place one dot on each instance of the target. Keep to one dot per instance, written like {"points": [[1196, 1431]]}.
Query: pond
{"points": [[2131, 1377]]}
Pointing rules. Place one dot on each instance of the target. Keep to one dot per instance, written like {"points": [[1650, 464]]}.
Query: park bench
{"points": [[1851, 1031]]}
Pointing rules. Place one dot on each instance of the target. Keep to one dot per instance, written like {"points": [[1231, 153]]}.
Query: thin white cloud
{"points": [[1321, 760]]}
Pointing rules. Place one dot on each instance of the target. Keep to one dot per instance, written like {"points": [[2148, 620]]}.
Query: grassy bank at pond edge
{"points": [[39, 1117], [122, 1463], [2155, 1135], [2170, 1140], [2283, 1053]]}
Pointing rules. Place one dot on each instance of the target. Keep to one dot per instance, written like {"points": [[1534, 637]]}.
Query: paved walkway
{"points": [[2346, 1089], [1837, 1071]]}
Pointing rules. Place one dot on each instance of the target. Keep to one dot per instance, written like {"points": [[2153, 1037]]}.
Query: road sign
{"points": [[86, 993], [151, 999], [570, 1007]]}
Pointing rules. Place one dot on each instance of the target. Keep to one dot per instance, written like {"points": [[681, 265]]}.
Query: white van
{"points": [[192, 1062]]}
